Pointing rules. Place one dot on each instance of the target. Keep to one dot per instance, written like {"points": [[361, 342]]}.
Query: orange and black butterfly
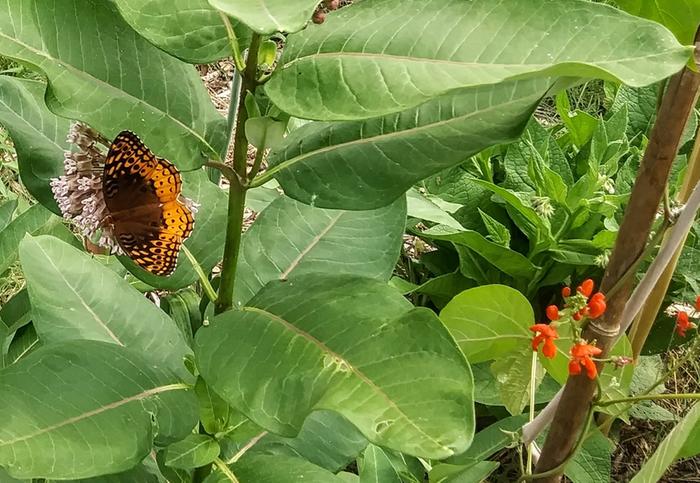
{"points": [[142, 192]]}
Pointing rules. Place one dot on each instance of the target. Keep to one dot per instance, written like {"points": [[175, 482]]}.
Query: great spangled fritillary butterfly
{"points": [[141, 192]]}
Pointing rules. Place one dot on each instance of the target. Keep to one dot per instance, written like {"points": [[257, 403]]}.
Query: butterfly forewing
{"points": [[141, 194]]}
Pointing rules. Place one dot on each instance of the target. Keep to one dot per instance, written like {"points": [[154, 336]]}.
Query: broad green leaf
{"points": [[240, 434], [191, 30], [489, 440], [326, 439], [525, 216], [192, 452], [214, 412], [265, 132], [14, 313], [348, 477], [24, 342], [258, 468], [35, 219], [86, 408], [290, 239], [423, 208], [39, 136], [489, 322], [513, 378], [207, 240], [172, 475], [143, 473], [681, 17], [673, 446], [649, 411], [257, 199], [367, 164], [641, 105], [573, 258], [7, 209], [113, 79], [535, 141], [409, 51], [269, 16], [593, 461], [497, 230], [579, 123], [281, 357], [75, 297], [487, 390], [5, 478], [183, 308], [508, 261], [441, 289], [378, 465], [445, 473]]}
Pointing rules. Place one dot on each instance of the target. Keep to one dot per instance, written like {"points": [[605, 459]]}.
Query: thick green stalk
{"points": [[236, 205], [236, 197]]}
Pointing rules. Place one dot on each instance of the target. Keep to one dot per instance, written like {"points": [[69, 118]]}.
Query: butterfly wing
{"points": [[141, 194]]}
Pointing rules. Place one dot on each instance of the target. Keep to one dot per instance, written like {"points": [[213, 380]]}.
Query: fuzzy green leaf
{"points": [[489, 322], [86, 408], [67, 289], [409, 51], [386, 346], [290, 239], [113, 79], [269, 16], [191, 30]]}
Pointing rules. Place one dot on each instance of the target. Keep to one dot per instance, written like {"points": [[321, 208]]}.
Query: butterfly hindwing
{"points": [[141, 193], [155, 251]]}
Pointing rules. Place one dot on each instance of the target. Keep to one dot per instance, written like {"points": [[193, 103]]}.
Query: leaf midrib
{"points": [[427, 60], [94, 412], [316, 239], [97, 318], [359, 374], [109, 86], [296, 159]]}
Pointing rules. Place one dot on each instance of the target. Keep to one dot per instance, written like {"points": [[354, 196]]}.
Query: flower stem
{"points": [[647, 397], [206, 285], [225, 470], [236, 197], [533, 388]]}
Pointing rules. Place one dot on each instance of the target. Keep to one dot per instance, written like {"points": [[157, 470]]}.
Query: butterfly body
{"points": [[142, 195]]}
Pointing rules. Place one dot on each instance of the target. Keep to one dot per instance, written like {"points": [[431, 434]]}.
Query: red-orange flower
{"points": [[552, 312], [581, 354], [565, 292], [682, 323], [586, 287], [547, 334], [697, 303], [596, 305]]}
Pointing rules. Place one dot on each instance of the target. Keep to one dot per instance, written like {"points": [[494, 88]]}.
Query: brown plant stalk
{"points": [[645, 198], [643, 323]]}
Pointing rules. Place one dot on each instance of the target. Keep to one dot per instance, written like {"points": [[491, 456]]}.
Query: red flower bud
{"points": [[682, 323], [552, 312], [596, 305], [565, 292], [586, 287]]}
